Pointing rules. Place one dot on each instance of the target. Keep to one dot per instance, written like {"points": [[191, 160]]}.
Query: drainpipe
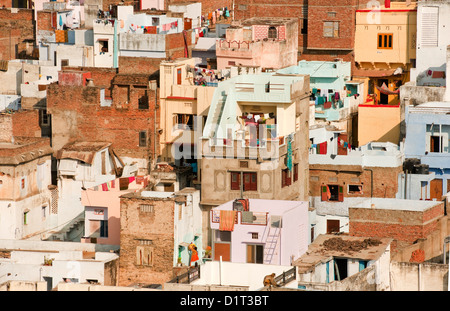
{"points": [[116, 46]]}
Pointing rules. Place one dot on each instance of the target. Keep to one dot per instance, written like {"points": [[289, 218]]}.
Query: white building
{"points": [[81, 165], [433, 36], [56, 262]]}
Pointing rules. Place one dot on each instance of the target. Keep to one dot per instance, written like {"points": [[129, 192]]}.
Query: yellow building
{"points": [[385, 48], [182, 100]]}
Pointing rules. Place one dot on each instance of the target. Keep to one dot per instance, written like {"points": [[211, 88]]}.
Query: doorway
{"points": [[255, 253], [436, 189], [340, 269], [384, 98]]}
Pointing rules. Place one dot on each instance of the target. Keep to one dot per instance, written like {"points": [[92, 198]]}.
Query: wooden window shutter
{"points": [[324, 193], [341, 194], [235, 180]]}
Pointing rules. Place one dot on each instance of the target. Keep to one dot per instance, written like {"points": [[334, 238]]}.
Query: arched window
{"points": [[272, 33]]}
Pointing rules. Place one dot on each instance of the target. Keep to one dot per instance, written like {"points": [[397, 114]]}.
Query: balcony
{"points": [[250, 218]]}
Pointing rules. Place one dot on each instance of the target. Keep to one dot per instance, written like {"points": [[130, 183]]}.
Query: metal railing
{"points": [[191, 275], [286, 277]]}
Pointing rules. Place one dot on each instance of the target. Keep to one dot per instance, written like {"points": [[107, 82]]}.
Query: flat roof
{"points": [[260, 205], [396, 204], [327, 246]]}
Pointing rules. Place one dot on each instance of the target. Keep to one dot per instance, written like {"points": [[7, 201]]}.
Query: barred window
{"points": [[146, 208]]}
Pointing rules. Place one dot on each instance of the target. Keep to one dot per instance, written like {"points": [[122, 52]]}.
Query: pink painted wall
{"points": [[292, 241], [110, 200], [252, 48]]}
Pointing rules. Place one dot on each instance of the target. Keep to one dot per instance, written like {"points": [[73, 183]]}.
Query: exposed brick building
{"points": [[155, 229], [118, 108], [16, 33], [406, 221], [326, 29]]}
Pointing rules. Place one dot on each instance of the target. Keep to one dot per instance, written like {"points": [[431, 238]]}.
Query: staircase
{"points": [[72, 231], [217, 116], [271, 244]]}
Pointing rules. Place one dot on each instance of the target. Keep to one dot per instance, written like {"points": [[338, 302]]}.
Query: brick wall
{"points": [[385, 180], [207, 5], [273, 8], [44, 19], [21, 123], [149, 230], [21, 25], [404, 226], [77, 115], [139, 65]]}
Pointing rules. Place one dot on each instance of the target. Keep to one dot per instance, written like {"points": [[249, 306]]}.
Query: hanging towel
{"points": [[227, 220], [131, 179], [104, 187], [323, 148]]}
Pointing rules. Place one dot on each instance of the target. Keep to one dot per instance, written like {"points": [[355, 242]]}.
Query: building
{"points": [[405, 221], [156, 230], [385, 48], [27, 206], [126, 104], [330, 32], [379, 123], [345, 263], [81, 165], [271, 232], [48, 263], [342, 175], [432, 42], [102, 208], [254, 143], [185, 104], [270, 43], [427, 140], [334, 96]]}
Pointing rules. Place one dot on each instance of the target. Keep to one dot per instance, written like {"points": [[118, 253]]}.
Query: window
{"points": [[255, 253], [242, 7], [437, 136], [331, 14], [64, 62], [25, 218], [235, 180], [385, 41], [44, 211], [254, 235], [332, 193], [331, 29], [428, 26], [231, 63], [142, 139], [103, 46], [144, 255], [250, 181], [295, 172], [272, 34], [146, 208], [285, 178], [183, 121], [143, 101], [44, 117], [355, 189]]}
